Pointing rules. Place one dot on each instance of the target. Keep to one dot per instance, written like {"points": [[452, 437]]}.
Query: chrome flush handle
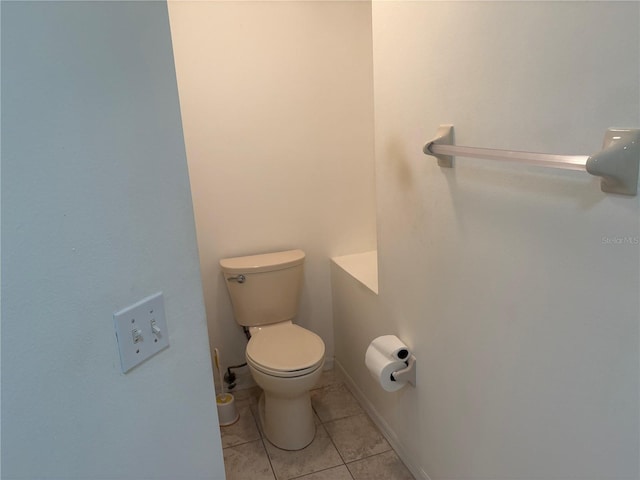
{"points": [[237, 278]]}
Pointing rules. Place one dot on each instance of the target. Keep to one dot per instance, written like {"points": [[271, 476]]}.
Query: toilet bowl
{"points": [[284, 359]]}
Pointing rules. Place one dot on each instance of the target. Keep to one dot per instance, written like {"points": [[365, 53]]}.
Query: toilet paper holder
{"points": [[406, 374]]}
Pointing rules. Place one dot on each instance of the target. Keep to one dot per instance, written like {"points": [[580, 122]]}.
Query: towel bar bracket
{"points": [[444, 136], [617, 162]]}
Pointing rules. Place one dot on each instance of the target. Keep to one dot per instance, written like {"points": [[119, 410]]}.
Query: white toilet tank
{"points": [[264, 288]]}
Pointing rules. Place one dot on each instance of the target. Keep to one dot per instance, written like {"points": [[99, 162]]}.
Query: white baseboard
{"points": [[388, 433]]}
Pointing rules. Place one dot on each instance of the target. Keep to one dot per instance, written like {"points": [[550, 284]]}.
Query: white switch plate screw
{"points": [[141, 331]]}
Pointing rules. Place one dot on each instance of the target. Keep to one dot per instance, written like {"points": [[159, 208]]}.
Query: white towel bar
{"points": [[617, 162]]}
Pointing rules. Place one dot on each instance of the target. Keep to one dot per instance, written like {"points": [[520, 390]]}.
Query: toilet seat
{"points": [[285, 350], [283, 374]]}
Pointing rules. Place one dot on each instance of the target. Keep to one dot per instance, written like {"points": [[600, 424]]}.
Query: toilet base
{"points": [[287, 422]]}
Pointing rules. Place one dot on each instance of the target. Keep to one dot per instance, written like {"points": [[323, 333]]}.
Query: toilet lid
{"points": [[285, 348]]}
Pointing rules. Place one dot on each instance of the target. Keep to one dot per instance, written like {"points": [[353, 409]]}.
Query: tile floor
{"points": [[347, 446]]}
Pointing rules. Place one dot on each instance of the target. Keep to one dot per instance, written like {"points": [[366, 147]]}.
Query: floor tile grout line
{"points": [[349, 470], [301, 477], [344, 462], [322, 424], [328, 468], [374, 455], [244, 442], [256, 421], [365, 414], [273, 470], [336, 447], [309, 473]]}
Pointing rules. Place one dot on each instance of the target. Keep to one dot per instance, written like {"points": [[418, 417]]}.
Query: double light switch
{"points": [[141, 331]]}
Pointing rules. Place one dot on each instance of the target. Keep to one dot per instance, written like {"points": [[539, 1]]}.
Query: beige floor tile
{"points": [[335, 473], [254, 401], [333, 402], [319, 455], [385, 466], [247, 461], [356, 437], [345, 426], [244, 430], [329, 377], [252, 394]]}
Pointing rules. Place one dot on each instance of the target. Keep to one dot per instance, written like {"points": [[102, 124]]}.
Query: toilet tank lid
{"points": [[265, 262]]}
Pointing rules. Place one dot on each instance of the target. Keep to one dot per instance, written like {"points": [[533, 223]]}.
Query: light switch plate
{"points": [[141, 331]]}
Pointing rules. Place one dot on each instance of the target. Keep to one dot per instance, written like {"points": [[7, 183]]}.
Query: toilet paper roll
{"points": [[381, 367], [391, 346]]}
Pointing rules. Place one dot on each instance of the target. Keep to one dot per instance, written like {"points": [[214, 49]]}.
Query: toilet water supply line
{"points": [[229, 376]]}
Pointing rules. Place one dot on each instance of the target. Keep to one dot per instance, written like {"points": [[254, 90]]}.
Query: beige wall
{"points": [[507, 281], [276, 101]]}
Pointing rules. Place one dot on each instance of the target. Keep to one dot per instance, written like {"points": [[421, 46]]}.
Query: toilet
{"points": [[284, 359]]}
